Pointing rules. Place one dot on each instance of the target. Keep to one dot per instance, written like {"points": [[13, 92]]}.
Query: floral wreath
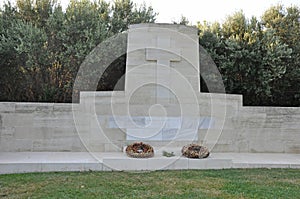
{"points": [[139, 150], [195, 151]]}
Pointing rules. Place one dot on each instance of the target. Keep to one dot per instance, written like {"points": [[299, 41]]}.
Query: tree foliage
{"points": [[259, 59], [42, 45]]}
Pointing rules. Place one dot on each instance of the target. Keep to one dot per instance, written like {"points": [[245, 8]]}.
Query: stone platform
{"points": [[23, 162]]}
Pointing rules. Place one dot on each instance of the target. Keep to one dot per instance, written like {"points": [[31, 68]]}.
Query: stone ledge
{"points": [[7, 107], [22, 162], [102, 94], [48, 167]]}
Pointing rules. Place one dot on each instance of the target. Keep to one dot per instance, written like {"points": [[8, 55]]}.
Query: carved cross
{"points": [[164, 51]]}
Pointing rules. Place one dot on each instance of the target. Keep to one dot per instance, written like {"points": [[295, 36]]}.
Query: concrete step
{"points": [[22, 162]]}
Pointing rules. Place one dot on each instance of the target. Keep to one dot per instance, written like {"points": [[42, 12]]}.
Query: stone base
{"points": [[24, 162]]}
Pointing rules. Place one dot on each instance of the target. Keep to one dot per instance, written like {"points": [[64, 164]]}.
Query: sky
{"points": [[209, 10]]}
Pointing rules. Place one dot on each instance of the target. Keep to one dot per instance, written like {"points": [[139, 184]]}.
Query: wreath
{"points": [[139, 150], [195, 151]]}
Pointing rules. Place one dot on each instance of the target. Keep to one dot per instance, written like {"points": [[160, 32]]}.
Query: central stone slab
{"points": [[163, 53], [162, 76]]}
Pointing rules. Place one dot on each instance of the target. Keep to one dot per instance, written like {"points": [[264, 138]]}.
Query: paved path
{"points": [[21, 162]]}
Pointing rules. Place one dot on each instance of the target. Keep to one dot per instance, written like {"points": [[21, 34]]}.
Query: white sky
{"points": [[200, 10], [210, 10]]}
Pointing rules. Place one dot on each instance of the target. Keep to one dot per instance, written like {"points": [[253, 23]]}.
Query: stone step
{"points": [[24, 162], [164, 163]]}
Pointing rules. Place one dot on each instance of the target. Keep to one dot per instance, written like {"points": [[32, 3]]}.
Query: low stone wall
{"points": [[268, 129], [51, 127], [37, 127]]}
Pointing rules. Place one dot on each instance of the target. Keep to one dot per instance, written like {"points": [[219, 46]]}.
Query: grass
{"points": [[231, 183]]}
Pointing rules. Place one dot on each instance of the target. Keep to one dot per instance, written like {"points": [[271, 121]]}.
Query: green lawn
{"points": [[232, 183]]}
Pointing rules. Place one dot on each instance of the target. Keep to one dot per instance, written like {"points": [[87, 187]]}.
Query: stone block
{"points": [[53, 119], [94, 145], [54, 145], [78, 146], [19, 168], [115, 134], [209, 163], [126, 164], [16, 145], [50, 167], [64, 107], [29, 132], [143, 134], [264, 145], [292, 147], [113, 147], [7, 133], [163, 45], [26, 107], [164, 163], [29, 107], [16, 119], [222, 148], [7, 107], [188, 70], [178, 163]]}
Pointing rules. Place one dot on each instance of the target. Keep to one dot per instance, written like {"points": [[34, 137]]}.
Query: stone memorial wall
{"points": [[161, 105]]}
